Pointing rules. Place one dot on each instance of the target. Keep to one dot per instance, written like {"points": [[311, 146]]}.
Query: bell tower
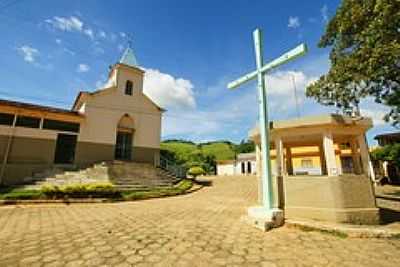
{"points": [[129, 75]]}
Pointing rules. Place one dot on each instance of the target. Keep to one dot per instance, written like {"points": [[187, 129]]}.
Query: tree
{"points": [[365, 57], [245, 146], [196, 171], [389, 153]]}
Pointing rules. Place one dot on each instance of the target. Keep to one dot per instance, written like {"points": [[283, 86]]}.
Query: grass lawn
{"points": [[90, 191]]}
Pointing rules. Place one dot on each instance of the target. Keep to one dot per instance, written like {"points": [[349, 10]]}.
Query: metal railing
{"points": [[177, 170]]}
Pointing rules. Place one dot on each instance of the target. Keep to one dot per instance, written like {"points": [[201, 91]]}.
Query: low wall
{"points": [[30, 156], [343, 199]]}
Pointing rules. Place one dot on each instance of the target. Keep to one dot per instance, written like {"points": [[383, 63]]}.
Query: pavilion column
{"points": [[280, 172], [356, 157], [279, 157], [322, 159], [329, 153], [289, 164], [365, 160]]}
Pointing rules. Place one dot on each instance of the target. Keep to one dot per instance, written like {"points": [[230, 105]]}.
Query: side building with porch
{"points": [[244, 164], [321, 168], [117, 122]]}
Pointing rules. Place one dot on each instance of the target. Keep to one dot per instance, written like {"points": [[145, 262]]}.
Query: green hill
{"points": [[203, 154], [221, 151]]}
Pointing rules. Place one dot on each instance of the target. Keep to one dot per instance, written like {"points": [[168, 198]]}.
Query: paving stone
{"points": [[200, 229]]}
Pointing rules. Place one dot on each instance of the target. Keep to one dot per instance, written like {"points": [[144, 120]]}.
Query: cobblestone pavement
{"points": [[204, 228]]}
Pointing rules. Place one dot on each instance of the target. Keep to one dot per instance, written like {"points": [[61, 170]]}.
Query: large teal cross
{"points": [[262, 69]]}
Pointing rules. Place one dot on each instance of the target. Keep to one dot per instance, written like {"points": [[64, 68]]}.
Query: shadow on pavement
{"points": [[389, 216], [203, 182]]}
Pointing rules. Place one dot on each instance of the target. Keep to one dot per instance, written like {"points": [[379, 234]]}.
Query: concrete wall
{"points": [[26, 157], [145, 154], [87, 153], [226, 169], [344, 199]]}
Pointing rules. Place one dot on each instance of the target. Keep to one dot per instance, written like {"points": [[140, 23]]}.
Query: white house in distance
{"points": [[117, 122], [244, 164]]}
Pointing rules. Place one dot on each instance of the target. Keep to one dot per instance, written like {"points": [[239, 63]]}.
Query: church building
{"points": [[117, 122]]}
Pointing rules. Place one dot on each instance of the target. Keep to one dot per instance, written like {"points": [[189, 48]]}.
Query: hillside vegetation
{"points": [[203, 155]]}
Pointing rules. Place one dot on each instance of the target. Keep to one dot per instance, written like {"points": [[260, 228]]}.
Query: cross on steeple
{"points": [[128, 57], [129, 38]]}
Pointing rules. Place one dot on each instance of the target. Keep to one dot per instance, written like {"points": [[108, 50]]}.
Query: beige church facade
{"points": [[117, 122]]}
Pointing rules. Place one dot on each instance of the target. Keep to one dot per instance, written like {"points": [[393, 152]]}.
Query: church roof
{"points": [[129, 58]]}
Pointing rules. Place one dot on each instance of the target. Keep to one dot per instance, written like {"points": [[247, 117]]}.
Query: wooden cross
{"points": [[259, 73]]}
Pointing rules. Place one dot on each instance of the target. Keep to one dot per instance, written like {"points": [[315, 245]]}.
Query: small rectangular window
{"points": [[30, 122], [6, 119], [61, 126]]}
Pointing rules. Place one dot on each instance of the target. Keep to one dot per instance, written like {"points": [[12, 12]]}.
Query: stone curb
{"points": [[5, 202], [354, 231], [52, 201], [387, 197]]}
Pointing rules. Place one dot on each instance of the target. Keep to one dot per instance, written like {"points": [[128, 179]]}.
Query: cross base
{"points": [[265, 219]]}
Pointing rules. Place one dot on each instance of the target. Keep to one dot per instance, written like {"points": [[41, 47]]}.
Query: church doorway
{"points": [[65, 149], [123, 146], [124, 142]]}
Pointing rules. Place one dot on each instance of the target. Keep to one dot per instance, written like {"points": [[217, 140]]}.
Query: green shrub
{"points": [[178, 189], [22, 194], [80, 190], [196, 171]]}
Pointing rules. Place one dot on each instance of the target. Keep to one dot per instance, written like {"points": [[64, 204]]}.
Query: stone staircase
{"points": [[124, 175], [131, 176]]}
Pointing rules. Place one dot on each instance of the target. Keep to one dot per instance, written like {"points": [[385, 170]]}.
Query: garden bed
{"points": [[76, 192]]}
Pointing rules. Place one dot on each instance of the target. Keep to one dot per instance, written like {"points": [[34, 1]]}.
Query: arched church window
{"points": [[128, 87]]}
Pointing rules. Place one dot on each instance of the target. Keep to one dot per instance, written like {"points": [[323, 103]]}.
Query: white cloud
{"points": [[29, 53], [376, 111], [100, 84], [217, 121], [113, 37], [168, 91], [234, 113], [89, 33], [324, 13], [70, 24], [294, 22], [66, 24], [281, 82], [58, 41], [120, 47], [376, 115], [82, 68], [102, 34], [122, 34]]}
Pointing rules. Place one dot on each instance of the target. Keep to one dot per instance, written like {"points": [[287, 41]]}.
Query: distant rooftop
{"points": [[129, 58]]}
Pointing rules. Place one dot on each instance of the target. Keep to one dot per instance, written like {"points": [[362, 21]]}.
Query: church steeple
{"points": [[129, 58]]}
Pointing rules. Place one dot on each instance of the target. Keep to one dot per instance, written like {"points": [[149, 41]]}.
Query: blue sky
{"points": [[191, 49]]}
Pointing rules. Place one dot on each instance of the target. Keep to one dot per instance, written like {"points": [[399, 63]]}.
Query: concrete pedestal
{"points": [[265, 219], [339, 199]]}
